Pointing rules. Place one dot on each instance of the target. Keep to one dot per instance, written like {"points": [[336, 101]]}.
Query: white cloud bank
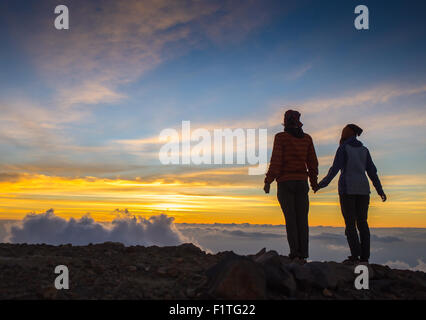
{"points": [[400, 248], [49, 228], [421, 266], [406, 245]]}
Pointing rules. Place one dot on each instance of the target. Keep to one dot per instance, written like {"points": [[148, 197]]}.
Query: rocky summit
{"points": [[114, 271]]}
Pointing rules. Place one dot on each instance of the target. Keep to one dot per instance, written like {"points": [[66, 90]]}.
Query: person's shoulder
{"points": [[280, 135], [341, 148], [308, 137], [365, 149]]}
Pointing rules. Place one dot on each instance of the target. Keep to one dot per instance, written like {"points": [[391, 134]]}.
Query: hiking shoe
{"points": [[351, 260], [298, 260], [292, 256], [363, 261]]}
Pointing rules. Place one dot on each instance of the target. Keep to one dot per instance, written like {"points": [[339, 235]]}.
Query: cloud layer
{"points": [[130, 230], [401, 248]]}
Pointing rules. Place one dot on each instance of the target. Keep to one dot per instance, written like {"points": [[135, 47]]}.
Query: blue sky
{"points": [[83, 102]]}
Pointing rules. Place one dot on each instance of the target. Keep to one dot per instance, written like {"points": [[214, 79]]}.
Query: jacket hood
{"points": [[353, 142], [295, 132]]}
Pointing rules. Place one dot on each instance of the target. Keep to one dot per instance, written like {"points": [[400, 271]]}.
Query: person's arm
{"points": [[372, 174], [276, 159], [312, 165], [338, 163]]}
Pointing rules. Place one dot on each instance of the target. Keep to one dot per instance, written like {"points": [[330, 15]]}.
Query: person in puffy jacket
{"points": [[293, 161], [353, 159]]}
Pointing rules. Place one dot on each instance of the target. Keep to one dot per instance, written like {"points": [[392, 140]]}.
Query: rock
{"points": [[49, 293], [327, 293], [302, 275], [141, 266], [190, 292], [380, 272], [115, 245], [285, 260], [236, 278], [315, 274], [261, 252], [263, 256], [278, 278], [343, 273], [162, 271], [188, 248], [132, 268], [186, 272], [99, 269], [381, 285]]}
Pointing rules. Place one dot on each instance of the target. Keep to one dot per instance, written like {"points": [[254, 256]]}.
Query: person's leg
{"points": [[362, 204], [286, 200], [348, 207], [302, 210]]}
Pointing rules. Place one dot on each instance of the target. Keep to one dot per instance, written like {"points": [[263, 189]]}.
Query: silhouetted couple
{"points": [[294, 160]]}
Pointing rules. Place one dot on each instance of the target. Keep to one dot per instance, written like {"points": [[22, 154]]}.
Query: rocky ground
{"points": [[113, 271]]}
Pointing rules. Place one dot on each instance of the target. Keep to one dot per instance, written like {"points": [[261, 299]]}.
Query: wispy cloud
{"points": [[364, 98], [299, 72], [89, 64], [122, 41]]}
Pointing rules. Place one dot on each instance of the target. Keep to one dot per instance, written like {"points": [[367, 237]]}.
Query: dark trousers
{"points": [[294, 202], [355, 211]]}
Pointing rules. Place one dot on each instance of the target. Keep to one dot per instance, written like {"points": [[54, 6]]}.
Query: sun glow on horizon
{"points": [[191, 202]]}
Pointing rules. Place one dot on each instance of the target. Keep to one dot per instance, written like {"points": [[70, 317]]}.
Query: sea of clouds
{"points": [[402, 248], [125, 228]]}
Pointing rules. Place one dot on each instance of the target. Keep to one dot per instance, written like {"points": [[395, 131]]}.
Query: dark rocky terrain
{"points": [[113, 271]]}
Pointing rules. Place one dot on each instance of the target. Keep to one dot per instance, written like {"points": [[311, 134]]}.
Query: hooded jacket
{"points": [[353, 160]]}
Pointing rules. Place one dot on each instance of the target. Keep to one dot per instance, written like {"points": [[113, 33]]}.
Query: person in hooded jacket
{"points": [[293, 160], [353, 159]]}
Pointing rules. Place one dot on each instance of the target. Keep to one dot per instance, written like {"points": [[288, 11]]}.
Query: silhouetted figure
{"points": [[353, 160], [293, 160]]}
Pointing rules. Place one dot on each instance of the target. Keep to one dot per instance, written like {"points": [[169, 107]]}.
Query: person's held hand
{"points": [[384, 198], [267, 187], [315, 188]]}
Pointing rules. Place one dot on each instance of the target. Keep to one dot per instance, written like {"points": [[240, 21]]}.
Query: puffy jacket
{"points": [[293, 158]]}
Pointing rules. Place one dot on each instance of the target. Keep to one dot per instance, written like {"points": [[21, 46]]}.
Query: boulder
{"points": [[319, 275], [343, 273], [380, 272], [261, 252], [278, 278], [236, 278], [302, 274], [263, 256]]}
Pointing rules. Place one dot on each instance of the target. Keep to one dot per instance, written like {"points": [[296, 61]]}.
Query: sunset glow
{"points": [[81, 110]]}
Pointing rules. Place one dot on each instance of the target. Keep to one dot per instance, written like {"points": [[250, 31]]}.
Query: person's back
{"points": [[293, 160], [353, 159], [353, 173]]}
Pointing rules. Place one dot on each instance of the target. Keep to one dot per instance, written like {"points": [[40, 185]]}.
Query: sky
{"points": [[81, 110]]}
